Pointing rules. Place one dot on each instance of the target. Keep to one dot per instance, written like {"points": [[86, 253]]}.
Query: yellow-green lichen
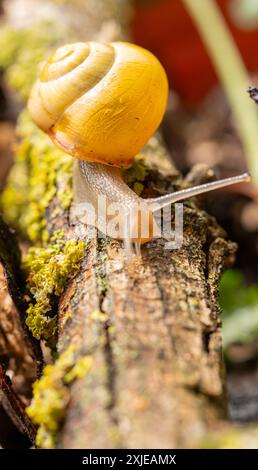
{"points": [[231, 437], [68, 316], [21, 52], [99, 316], [51, 394], [100, 271], [48, 270], [40, 172]]}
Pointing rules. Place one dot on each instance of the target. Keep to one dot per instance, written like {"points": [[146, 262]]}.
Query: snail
{"points": [[101, 103]]}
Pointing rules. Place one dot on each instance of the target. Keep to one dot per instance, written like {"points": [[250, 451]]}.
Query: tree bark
{"points": [[19, 353], [156, 345]]}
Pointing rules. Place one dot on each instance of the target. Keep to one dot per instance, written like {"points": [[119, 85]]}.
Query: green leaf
{"points": [[239, 303]]}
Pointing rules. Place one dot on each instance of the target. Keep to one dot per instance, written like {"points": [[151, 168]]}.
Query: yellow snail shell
{"points": [[100, 102]]}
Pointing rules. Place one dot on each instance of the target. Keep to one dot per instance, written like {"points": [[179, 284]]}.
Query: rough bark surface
{"points": [[156, 343], [18, 352]]}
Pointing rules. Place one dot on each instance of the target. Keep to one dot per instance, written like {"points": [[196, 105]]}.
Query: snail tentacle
{"points": [[167, 199]]}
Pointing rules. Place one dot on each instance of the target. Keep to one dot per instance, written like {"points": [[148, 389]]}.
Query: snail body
{"points": [[92, 181], [101, 103]]}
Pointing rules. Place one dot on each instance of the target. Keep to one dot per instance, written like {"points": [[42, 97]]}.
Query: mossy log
{"points": [[153, 330], [139, 348]]}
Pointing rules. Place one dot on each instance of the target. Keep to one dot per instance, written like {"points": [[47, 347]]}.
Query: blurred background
{"points": [[210, 56]]}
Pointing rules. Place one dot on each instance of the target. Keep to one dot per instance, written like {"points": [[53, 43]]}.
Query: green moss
{"points": [[40, 172], [102, 282], [100, 270], [51, 394], [48, 270], [22, 51], [136, 174]]}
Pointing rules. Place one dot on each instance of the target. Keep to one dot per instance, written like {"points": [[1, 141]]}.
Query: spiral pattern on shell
{"points": [[100, 102]]}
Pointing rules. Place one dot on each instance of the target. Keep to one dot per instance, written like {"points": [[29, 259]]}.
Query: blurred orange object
{"points": [[165, 28]]}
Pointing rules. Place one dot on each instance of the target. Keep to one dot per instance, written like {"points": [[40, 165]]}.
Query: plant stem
{"points": [[231, 71]]}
